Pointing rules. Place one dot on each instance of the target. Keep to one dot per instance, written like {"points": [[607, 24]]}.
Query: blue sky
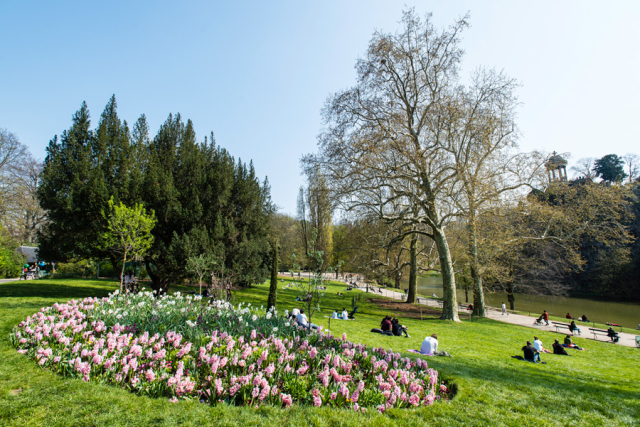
{"points": [[257, 73]]}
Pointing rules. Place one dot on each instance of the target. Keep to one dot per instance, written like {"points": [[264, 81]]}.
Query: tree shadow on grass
{"points": [[602, 394], [30, 289]]}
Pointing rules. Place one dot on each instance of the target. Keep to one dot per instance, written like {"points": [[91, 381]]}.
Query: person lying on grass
{"points": [[537, 344], [559, 349], [569, 344], [530, 353]]}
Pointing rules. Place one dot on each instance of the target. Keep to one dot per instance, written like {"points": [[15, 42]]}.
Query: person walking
{"points": [[504, 309], [545, 317]]}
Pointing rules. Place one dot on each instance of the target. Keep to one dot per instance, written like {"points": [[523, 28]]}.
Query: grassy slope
{"points": [[600, 386]]}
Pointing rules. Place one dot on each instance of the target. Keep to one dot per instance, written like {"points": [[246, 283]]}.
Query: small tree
{"points": [[199, 266], [128, 232]]}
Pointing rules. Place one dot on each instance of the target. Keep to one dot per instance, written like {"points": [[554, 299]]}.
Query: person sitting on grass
{"points": [[335, 315], [537, 344], [558, 348], [385, 325], [345, 314], [530, 353], [613, 335], [568, 316], [398, 329], [569, 344], [573, 327], [303, 321], [584, 318], [429, 345]]}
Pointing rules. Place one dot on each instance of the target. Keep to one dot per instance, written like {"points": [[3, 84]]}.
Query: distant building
{"points": [[556, 168], [30, 252]]}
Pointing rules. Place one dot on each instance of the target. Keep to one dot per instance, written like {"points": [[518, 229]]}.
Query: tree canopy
{"points": [[205, 201]]}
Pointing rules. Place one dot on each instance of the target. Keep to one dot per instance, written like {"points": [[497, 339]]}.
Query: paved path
{"points": [[8, 280], [628, 340]]}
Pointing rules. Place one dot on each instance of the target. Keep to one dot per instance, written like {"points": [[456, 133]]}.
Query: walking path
{"points": [[8, 280], [628, 340]]}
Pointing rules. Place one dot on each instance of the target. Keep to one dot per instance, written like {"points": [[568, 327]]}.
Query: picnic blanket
{"points": [[418, 352]]}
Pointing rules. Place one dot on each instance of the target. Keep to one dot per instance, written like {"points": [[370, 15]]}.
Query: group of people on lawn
{"points": [[532, 350]]}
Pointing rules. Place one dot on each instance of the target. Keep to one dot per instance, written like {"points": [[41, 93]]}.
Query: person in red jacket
{"points": [[545, 317]]}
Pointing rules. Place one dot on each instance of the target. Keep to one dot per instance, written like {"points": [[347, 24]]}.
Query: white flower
{"points": [[287, 324], [125, 313], [254, 317], [190, 323], [110, 311], [141, 304], [119, 316], [275, 329], [183, 310], [155, 313]]}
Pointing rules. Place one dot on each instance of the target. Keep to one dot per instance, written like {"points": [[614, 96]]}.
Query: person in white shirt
{"points": [[345, 315], [303, 321], [504, 309], [537, 344], [429, 345], [335, 315]]}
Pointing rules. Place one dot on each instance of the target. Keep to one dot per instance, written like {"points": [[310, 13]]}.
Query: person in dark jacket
{"points": [[397, 328], [573, 327], [558, 348], [613, 334], [530, 353]]}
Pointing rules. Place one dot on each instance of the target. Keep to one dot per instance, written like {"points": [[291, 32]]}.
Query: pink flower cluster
{"points": [[253, 370]]}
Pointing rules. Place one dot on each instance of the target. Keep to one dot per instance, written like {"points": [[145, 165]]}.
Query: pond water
{"points": [[622, 313]]}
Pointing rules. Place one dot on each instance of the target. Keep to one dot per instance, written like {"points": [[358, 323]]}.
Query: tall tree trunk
{"points": [[413, 270], [450, 303], [124, 263], [397, 277], [273, 287], [478, 292], [511, 298], [157, 284]]}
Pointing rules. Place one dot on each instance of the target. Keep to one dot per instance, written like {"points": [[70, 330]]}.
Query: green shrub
{"points": [[10, 263], [78, 269]]}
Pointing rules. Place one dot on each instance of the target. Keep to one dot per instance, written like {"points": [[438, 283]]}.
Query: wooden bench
{"points": [[559, 325], [603, 332]]}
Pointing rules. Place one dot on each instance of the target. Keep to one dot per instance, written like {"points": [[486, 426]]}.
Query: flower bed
{"points": [[182, 348]]}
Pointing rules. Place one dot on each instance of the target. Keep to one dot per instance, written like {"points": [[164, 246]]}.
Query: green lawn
{"points": [[600, 386]]}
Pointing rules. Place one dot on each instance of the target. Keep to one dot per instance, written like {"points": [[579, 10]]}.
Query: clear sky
{"points": [[257, 73]]}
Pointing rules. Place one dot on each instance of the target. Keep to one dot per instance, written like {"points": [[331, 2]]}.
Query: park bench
{"points": [[560, 325], [597, 332]]}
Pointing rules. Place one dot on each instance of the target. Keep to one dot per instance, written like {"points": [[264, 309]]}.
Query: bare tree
{"points": [[386, 146], [20, 211], [482, 142], [632, 161], [584, 168]]}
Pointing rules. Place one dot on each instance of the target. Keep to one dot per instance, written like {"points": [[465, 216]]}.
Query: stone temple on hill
{"points": [[556, 168]]}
